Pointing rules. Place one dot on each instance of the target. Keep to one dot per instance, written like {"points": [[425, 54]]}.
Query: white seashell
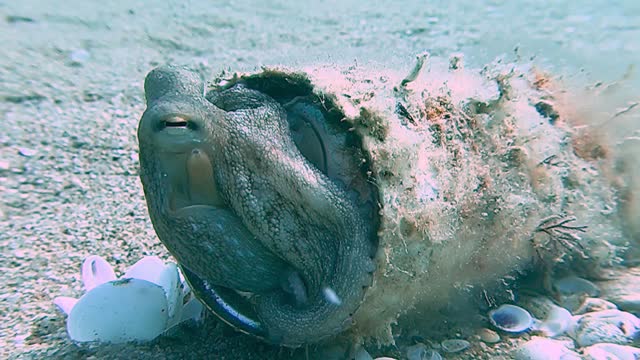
{"points": [[611, 351], [511, 318], [192, 310], [454, 345], [119, 311], [65, 304], [169, 280], [148, 268], [153, 269], [139, 285], [606, 326], [558, 321], [79, 56], [96, 271], [539, 348]]}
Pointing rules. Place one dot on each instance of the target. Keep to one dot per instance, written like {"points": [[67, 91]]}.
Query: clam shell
{"points": [[511, 318], [454, 345]]}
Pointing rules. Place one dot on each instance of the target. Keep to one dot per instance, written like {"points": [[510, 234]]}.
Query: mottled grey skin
{"points": [[237, 204]]}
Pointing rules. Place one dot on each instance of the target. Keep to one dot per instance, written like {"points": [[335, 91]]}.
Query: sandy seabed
{"points": [[71, 95]]}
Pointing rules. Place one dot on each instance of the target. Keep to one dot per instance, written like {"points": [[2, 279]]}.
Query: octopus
{"points": [[264, 203]]}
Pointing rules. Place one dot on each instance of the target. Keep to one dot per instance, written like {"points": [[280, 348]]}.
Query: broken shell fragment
{"points": [[119, 311], [96, 271], [511, 318]]}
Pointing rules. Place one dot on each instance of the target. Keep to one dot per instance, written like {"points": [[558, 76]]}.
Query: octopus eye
{"points": [[178, 122], [175, 121]]}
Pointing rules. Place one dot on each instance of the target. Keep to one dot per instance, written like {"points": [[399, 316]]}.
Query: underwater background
{"points": [[71, 76]]}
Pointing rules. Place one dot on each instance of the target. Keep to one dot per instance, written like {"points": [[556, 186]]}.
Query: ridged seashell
{"points": [[607, 326], [611, 351], [511, 318]]}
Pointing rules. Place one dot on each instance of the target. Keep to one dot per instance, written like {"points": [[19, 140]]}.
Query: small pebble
{"points": [[4, 165], [26, 152], [19, 340], [454, 345], [489, 336], [79, 56]]}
